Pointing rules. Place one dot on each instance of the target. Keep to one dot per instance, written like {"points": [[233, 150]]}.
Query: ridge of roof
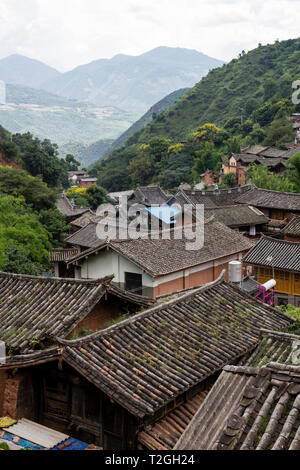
{"points": [[56, 279], [279, 334], [163, 305], [80, 230], [271, 191], [277, 240], [145, 313], [294, 221]]}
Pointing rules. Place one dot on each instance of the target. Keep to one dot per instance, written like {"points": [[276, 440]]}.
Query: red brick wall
{"points": [[209, 178], [193, 280], [10, 397], [105, 311], [241, 177]]}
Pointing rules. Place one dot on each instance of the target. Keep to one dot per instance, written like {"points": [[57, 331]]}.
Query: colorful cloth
{"points": [[6, 422], [11, 438]]}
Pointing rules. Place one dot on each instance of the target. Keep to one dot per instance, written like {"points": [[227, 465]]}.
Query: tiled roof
{"points": [[275, 253], [237, 215], [62, 255], [292, 228], [211, 199], [66, 208], [35, 309], [256, 149], [275, 347], [148, 195], [160, 257], [85, 219], [164, 434], [145, 362], [249, 409], [270, 199], [86, 236], [116, 195], [32, 308], [273, 152]]}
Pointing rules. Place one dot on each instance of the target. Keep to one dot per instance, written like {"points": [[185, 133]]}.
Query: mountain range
{"points": [[89, 107], [133, 83], [20, 70]]}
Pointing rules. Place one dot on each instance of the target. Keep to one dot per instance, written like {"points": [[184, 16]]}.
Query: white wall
{"points": [[106, 263]]}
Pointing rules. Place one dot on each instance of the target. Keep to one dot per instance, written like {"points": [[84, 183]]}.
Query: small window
{"points": [[133, 283]]}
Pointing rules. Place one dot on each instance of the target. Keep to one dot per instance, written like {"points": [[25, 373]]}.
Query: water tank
{"points": [[267, 285], [235, 271]]}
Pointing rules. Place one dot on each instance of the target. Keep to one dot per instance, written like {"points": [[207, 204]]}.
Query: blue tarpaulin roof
{"points": [[164, 213]]}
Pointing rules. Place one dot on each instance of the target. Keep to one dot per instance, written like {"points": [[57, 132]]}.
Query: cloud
{"points": [[67, 33]]}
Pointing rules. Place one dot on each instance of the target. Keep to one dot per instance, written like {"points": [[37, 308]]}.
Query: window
{"points": [[282, 301], [133, 282]]}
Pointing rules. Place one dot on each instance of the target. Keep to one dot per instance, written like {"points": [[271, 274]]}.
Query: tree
{"points": [[293, 312], [96, 195], [54, 223], [262, 179], [72, 163], [295, 176], [270, 88], [23, 239], [257, 134], [40, 158], [279, 132], [228, 181], [19, 183], [209, 158], [158, 148], [141, 168], [233, 145], [206, 134]]}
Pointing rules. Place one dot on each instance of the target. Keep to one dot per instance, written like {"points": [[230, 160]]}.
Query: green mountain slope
{"points": [[256, 86], [134, 83], [158, 108], [21, 70], [263, 75]]}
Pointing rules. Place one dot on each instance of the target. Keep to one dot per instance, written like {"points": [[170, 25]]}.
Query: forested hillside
{"points": [[247, 99], [156, 109]]}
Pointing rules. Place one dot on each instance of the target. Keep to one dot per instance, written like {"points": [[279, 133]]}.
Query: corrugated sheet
{"points": [[37, 433]]}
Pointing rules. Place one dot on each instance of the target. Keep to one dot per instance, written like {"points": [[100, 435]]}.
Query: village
{"points": [[140, 344], [149, 231]]}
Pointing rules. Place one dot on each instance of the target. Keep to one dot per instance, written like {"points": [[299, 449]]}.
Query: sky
{"points": [[68, 33]]}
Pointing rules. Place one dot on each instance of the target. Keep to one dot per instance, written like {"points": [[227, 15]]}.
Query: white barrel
{"points": [[269, 284], [235, 271]]}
